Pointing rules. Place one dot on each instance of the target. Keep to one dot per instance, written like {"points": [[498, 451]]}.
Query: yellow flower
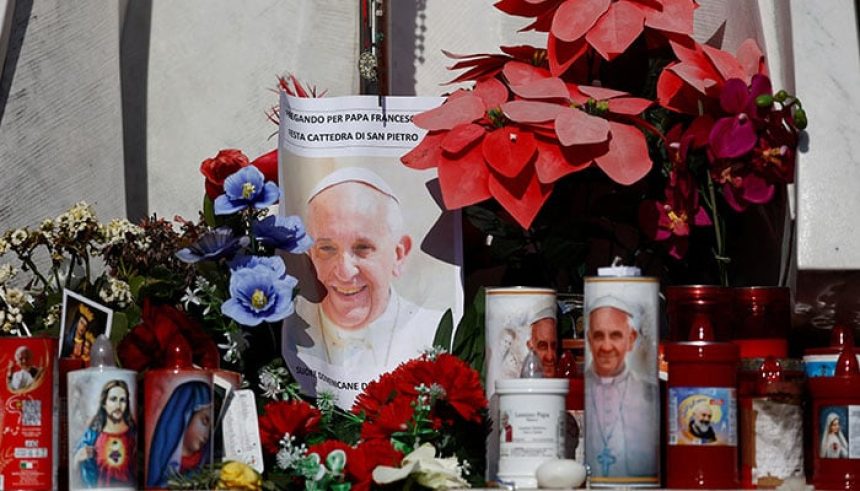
{"points": [[239, 476]]}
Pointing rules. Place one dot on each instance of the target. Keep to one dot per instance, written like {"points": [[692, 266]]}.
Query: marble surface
{"points": [[827, 78]]}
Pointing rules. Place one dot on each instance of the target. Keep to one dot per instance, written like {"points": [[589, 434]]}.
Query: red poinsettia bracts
{"points": [[485, 66], [296, 418], [608, 27], [693, 84], [592, 125], [478, 154]]}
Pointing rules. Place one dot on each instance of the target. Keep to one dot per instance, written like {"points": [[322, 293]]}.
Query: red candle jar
{"points": [[699, 307], [762, 318], [178, 417], [701, 415], [835, 413]]}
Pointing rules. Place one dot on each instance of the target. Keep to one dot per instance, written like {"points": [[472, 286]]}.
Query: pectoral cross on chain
{"points": [[605, 459]]}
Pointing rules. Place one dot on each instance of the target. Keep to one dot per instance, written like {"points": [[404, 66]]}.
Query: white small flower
{"points": [[15, 297], [117, 292], [237, 343], [117, 230], [7, 272], [289, 453], [53, 315], [191, 297], [18, 237]]}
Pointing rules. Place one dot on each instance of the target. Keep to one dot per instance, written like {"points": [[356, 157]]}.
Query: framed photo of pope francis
{"points": [[385, 263]]}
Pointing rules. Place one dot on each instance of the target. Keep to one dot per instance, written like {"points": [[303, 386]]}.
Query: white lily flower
{"points": [[429, 471]]}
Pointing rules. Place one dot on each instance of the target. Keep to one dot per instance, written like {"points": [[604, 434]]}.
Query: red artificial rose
{"points": [[149, 344], [219, 168], [279, 418], [268, 165]]}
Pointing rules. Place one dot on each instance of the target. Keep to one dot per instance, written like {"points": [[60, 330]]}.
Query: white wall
{"points": [[60, 117]]}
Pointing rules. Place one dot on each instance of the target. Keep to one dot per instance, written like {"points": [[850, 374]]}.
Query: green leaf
{"points": [[119, 327], [336, 461], [135, 283], [445, 331], [469, 336], [209, 211]]}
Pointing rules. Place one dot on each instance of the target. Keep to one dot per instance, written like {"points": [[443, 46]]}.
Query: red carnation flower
{"points": [[279, 418], [377, 394], [392, 418], [367, 456], [219, 168], [462, 385]]}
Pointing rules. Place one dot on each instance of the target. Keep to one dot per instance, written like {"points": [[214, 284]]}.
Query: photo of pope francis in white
{"points": [[622, 426], [361, 327]]}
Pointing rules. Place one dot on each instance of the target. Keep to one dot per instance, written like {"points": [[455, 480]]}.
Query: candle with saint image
{"points": [[179, 416], [622, 397], [103, 423]]}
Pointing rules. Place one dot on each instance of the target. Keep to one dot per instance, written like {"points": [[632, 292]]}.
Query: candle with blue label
{"points": [[103, 424], [622, 396]]}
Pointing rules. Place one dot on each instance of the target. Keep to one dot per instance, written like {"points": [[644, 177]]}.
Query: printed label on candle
{"points": [[531, 433], [102, 429], [28, 415], [772, 440], [702, 416], [839, 432]]}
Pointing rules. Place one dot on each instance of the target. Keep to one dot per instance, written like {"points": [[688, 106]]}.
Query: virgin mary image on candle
{"points": [[834, 441], [180, 442]]}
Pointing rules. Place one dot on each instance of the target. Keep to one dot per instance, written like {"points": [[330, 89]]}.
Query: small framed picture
{"points": [[83, 321]]}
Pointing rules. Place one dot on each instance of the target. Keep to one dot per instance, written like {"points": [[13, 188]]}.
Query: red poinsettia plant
{"points": [[686, 132], [436, 399]]}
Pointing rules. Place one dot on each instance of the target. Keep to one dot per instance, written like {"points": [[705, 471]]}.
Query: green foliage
{"points": [[469, 338], [445, 331]]}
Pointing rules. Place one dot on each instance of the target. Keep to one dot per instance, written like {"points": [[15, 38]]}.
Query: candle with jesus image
{"points": [[103, 426]]}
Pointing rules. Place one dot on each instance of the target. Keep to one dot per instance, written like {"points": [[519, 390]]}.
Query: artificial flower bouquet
{"points": [[684, 137], [422, 424]]}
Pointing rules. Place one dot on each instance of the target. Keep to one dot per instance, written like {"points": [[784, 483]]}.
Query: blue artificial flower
{"points": [[287, 233], [275, 263], [246, 188], [258, 294], [214, 244]]}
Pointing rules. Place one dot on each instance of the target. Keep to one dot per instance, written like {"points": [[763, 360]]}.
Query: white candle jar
{"points": [[531, 427]]}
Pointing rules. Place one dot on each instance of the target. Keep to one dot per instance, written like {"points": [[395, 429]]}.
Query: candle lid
{"points": [[839, 336], [101, 353]]}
